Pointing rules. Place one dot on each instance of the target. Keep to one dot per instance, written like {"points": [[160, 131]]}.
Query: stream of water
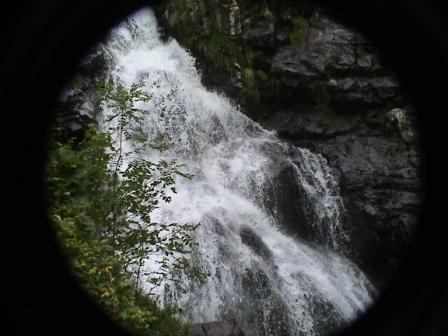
{"points": [[254, 196]]}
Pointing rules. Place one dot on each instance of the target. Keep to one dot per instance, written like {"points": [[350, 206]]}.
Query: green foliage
{"points": [[322, 102], [266, 12], [256, 7], [298, 32], [177, 11], [326, 111], [194, 37], [249, 84], [223, 50], [359, 51], [389, 126], [100, 272], [77, 81], [253, 83], [208, 38], [101, 208]]}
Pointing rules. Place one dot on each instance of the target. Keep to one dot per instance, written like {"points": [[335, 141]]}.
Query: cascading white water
{"points": [[267, 278]]}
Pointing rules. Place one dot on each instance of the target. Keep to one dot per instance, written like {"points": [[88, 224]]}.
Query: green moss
{"points": [[254, 82], [250, 56], [199, 12], [322, 102], [261, 76], [267, 14], [248, 77], [320, 93], [77, 81], [255, 7], [177, 12], [222, 50], [359, 51], [173, 12], [194, 37], [327, 112], [274, 85], [299, 30], [389, 126]]}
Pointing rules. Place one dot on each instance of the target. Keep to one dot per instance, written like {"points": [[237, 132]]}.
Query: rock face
{"points": [[321, 86], [75, 106]]}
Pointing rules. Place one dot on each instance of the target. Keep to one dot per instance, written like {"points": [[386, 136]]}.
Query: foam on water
{"points": [[279, 285]]}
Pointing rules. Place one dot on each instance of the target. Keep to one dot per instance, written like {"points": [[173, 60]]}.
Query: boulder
{"points": [[255, 243]]}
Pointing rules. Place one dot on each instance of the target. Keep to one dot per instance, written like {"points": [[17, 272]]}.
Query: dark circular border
{"points": [[42, 43]]}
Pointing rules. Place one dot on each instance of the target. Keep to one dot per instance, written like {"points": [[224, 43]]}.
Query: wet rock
{"points": [[330, 92], [259, 32], [75, 115], [293, 62], [254, 242], [363, 91], [310, 124], [284, 198], [264, 313], [333, 42], [379, 180], [299, 70], [401, 119]]}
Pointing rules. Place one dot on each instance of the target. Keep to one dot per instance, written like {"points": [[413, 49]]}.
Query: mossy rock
{"points": [[299, 30]]}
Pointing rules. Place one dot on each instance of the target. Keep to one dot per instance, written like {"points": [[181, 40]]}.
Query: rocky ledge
{"points": [[319, 85]]}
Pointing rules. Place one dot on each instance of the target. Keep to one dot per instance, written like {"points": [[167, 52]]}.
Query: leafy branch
{"points": [[101, 204]]}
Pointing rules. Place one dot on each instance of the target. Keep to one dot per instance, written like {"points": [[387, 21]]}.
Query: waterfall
{"points": [[271, 235]]}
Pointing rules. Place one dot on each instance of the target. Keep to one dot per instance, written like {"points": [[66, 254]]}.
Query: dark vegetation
{"points": [[101, 209]]}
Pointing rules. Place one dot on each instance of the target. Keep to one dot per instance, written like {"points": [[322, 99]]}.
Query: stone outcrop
{"points": [[319, 85]]}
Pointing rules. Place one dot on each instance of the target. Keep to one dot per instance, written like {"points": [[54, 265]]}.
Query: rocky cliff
{"points": [[319, 85]]}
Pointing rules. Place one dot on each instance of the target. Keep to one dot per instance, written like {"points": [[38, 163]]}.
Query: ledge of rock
{"points": [[320, 85]]}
